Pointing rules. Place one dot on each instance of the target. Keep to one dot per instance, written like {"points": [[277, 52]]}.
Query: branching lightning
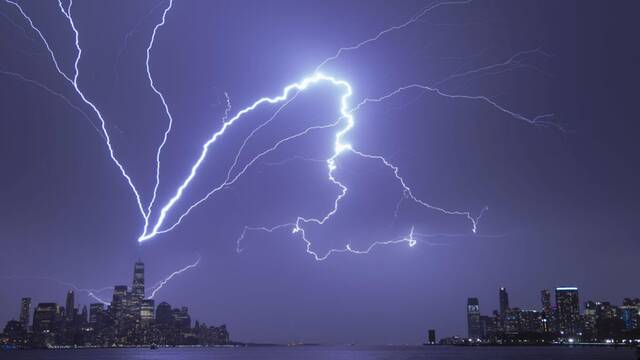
{"points": [[166, 109], [95, 293], [54, 93], [344, 123], [154, 289]]}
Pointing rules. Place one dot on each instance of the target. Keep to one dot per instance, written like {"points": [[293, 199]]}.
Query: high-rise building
{"points": [[606, 311], [163, 314], [137, 290], [83, 315], [488, 327], [181, 318], [46, 317], [531, 321], [96, 313], [511, 320], [70, 310], [547, 311], [119, 294], [504, 301], [146, 310], [631, 313], [589, 319], [119, 303], [473, 319], [432, 337], [568, 306], [25, 310], [545, 299]]}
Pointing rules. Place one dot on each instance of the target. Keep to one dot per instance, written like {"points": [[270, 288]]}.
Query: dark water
{"points": [[328, 352]]}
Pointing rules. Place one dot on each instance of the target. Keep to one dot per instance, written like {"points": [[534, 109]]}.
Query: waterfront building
{"points": [[568, 306], [504, 301], [473, 319], [431, 340], [25, 311]]}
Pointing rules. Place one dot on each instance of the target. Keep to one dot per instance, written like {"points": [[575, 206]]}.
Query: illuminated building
{"points": [[568, 306], [70, 309], [137, 290], [146, 310], [25, 310], [181, 318], [589, 320], [504, 301], [163, 314], [473, 319], [96, 314], [46, 317], [128, 320], [432, 337]]}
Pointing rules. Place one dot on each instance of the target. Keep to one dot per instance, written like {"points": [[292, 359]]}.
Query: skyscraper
{"points": [[432, 337], [547, 310], [568, 310], [504, 301], [25, 310], [120, 302], [181, 318], [545, 299], [163, 314], [473, 318], [96, 313], [46, 317], [137, 290], [146, 310], [70, 305], [83, 315]]}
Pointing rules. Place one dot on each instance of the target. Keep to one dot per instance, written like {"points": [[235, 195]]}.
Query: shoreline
{"points": [[6, 348]]}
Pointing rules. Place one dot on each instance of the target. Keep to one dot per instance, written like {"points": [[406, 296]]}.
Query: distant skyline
{"points": [[128, 317], [559, 191]]}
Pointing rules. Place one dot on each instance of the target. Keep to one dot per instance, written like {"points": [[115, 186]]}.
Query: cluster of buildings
{"points": [[130, 319], [600, 322]]}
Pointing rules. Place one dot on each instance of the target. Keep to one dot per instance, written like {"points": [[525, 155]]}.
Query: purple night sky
{"points": [[563, 204]]}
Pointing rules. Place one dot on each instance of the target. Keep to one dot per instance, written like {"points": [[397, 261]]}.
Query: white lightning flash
{"points": [[167, 112], [93, 293], [155, 288], [344, 123], [74, 83]]}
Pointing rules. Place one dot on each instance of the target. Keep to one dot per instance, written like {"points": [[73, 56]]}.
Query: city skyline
{"points": [[568, 321], [130, 318], [339, 176]]}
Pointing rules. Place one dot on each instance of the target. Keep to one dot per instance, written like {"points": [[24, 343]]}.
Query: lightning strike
{"points": [[159, 285], [92, 293], [344, 124], [54, 93], [167, 112], [412, 20]]}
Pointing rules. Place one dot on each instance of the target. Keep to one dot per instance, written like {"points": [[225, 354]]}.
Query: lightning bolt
{"points": [[94, 293], [54, 93], [344, 124], [166, 109], [74, 83], [89, 292], [412, 20], [160, 284]]}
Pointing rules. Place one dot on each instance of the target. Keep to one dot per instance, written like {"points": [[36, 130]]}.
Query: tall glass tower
{"points": [[137, 290], [71, 312], [473, 318], [25, 310], [568, 310]]}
